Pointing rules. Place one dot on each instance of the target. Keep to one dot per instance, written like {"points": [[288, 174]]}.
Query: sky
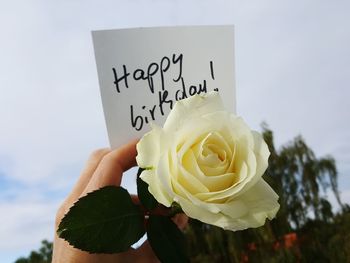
{"points": [[292, 71]]}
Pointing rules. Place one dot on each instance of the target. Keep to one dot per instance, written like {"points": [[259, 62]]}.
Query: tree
{"points": [[302, 181], [43, 255]]}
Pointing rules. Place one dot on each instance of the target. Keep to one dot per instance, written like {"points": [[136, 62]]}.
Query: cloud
{"points": [[294, 69], [49, 109], [292, 64], [29, 220]]}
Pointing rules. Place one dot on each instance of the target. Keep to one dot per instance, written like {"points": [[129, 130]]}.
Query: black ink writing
{"points": [[212, 70], [124, 77], [141, 115], [151, 71]]}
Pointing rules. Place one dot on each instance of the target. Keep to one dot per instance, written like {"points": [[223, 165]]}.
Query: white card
{"points": [[143, 71]]}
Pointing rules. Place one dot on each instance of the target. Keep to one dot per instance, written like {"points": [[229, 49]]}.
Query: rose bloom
{"points": [[209, 162]]}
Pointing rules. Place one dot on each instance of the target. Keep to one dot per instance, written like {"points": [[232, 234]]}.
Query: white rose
{"points": [[209, 162]]}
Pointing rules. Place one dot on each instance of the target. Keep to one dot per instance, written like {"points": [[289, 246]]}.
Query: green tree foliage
{"points": [[305, 229], [43, 255]]}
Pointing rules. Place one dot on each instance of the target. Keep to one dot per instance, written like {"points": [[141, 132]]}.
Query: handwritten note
{"points": [[144, 71]]}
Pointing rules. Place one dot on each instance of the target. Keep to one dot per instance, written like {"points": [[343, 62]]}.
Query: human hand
{"points": [[104, 167]]}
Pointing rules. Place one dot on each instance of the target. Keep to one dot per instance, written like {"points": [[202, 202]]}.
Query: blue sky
{"points": [[292, 69]]}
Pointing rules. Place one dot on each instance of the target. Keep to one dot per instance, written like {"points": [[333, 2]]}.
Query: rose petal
{"points": [[250, 210], [190, 182], [148, 148], [261, 202], [258, 167], [164, 178], [213, 183], [231, 191], [196, 106], [183, 193], [262, 153], [149, 176]]}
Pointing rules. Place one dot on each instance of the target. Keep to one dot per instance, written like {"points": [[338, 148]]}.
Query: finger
{"points": [[90, 167], [110, 169], [145, 253]]}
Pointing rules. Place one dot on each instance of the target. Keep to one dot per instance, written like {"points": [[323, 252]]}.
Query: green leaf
{"points": [[166, 240], [103, 221], [146, 198]]}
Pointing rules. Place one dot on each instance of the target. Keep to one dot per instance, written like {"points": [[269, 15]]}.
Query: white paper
{"points": [[142, 71]]}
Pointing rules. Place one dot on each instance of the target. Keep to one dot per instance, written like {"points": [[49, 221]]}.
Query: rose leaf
{"points": [[146, 198], [166, 240], [103, 221]]}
